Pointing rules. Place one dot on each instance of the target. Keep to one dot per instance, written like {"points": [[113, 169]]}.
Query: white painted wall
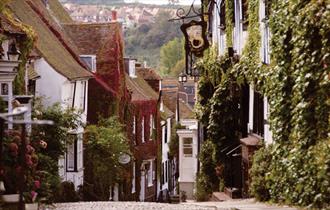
{"points": [[55, 88], [187, 165], [50, 82]]}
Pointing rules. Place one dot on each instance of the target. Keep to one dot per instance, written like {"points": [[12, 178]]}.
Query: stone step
{"points": [[219, 196]]}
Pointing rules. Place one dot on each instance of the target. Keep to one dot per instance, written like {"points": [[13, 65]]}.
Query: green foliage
{"points": [[174, 142], [295, 170], [261, 161], [206, 180], [170, 54], [67, 193], [104, 143], [53, 141], [144, 42]]}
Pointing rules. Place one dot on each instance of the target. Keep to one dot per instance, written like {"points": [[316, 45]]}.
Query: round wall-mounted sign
{"points": [[124, 158]]}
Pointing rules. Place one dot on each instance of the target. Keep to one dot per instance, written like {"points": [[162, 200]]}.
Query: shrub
{"points": [[67, 193], [261, 160]]}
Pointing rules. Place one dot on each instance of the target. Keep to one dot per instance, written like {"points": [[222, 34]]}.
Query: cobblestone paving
{"points": [[246, 204], [129, 206]]}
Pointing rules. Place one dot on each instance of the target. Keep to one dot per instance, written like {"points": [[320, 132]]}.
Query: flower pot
{"points": [[31, 206], [11, 198]]}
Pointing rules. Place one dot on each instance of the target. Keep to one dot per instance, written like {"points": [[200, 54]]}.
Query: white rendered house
{"points": [[57, 88], [188, 160]]}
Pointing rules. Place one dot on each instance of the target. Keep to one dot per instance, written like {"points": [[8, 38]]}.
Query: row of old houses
{"points": [[253, 106], [82, 66]]}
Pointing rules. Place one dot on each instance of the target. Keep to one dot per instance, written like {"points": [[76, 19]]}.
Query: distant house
{"points": [[145, 17], [62, 77], [146, 136]]}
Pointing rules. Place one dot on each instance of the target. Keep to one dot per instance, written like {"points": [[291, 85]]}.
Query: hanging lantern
{"points": [[12, 53], [182, 77]]}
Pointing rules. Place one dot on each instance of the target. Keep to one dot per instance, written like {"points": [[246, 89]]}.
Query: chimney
{"points": [[114, 15]]}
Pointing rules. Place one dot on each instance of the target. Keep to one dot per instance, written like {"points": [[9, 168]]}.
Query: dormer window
{"points": [[90, 61]]}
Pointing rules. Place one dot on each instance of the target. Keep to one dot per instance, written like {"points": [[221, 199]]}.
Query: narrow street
{"points": [[247, 204]]}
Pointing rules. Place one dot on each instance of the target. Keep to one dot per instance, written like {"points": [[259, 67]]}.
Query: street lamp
{"points": [[195, 73], [12, 53], [182, 77]]}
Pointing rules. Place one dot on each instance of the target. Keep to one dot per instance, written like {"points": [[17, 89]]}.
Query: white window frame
{"points": [[93, 57], [134, 125], [187, 146], [1, 90], [70, 157], [149, 174]]}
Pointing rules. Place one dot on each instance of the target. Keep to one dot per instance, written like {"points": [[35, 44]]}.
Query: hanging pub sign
{"points": [[195, 37]]}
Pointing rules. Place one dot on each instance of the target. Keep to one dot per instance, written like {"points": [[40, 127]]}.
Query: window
{"points": [[245, 15], [134, 125], [187, 147], [90, 61], [151, 126], [133, 178], [142, 130], [4, 89], [150, 183], [166, 171], [163, 173], [258, 114], [83, 95], [222, 15], [71, 157], [165, 133]]}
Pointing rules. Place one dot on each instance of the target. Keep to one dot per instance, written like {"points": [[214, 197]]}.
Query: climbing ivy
{"points": [[26, 44], [296, 168]]}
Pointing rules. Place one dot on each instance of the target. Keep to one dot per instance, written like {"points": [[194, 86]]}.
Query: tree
{"points": [[104, 144], [170, 54]]}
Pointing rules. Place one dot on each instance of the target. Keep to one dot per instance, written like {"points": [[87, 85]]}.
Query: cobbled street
{"points": [[247, 204]]}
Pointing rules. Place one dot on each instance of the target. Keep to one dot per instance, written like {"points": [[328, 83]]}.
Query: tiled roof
{"points": [[170, 100], [148, 73], [141, 90], [59, 11], [105, 41], [7, 26], [48, 43], [167, 113], [54, 24]]}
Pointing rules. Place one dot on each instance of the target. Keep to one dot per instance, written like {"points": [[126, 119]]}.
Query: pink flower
{"points": [[43, 144], [37, 184], [34, 195], [30, 149]]}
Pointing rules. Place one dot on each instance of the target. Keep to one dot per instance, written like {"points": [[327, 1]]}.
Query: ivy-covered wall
{"points": [[296, 168]]}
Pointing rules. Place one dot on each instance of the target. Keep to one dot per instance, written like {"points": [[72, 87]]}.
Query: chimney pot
{"points": [[114, 15]]}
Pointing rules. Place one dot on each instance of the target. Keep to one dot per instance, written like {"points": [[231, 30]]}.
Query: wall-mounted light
{"points": [[182, 77], [12, 53]]}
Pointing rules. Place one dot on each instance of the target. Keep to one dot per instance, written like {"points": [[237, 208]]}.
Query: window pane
{"points": [[187, 141]]}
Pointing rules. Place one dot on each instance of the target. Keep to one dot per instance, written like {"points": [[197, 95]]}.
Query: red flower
{"points": [[28, 160], [13, 147], [37, 184]]}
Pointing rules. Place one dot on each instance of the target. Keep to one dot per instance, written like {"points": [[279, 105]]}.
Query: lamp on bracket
{"points": [[12, 53]]}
